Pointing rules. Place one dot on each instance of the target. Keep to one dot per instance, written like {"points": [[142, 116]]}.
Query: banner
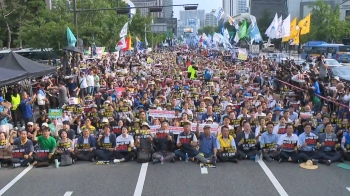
{"points": [[161, 114], [55, 113]]}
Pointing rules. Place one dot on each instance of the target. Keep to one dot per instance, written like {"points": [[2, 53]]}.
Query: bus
{"points": [[329, 50], [33, 54], [343, 55]]}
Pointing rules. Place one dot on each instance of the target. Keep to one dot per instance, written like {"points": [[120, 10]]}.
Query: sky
{"points": [[207, 5]]}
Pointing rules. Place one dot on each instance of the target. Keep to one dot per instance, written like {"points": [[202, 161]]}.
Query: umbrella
{"points": [[72, 49]]}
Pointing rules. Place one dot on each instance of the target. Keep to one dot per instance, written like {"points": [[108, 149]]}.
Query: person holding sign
{"points": [[164, 145], [207, 146], [268, 142], [345, 145], [85, 146], [65, 147], [288, 143], [187, 143], [5, 149], [106, 143], [22, 155], [226, 146], [47, 147], [247, 142], [308, 144], [124, 147], [328, 144]]}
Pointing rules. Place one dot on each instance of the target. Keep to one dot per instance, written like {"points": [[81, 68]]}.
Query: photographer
{"points": [[322, 67]]}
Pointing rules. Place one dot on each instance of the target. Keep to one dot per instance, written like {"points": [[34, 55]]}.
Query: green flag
{"points": [[243, 30]]}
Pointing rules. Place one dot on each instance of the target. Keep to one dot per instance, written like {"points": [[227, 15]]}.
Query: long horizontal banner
{"points": [[178, 130]]}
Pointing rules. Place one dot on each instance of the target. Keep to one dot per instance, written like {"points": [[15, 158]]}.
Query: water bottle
{"points": [[162, 160], [256, 158], [186, 158], [57, 165]]}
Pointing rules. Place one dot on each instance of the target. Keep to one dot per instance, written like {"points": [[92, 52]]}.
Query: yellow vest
{"points": [[225, 143], [15, 101]]}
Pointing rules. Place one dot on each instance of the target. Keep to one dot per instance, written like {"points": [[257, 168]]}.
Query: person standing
{"points": [[97, 83], [27, 108], [15, 113], [4, 115], [90, 80]]}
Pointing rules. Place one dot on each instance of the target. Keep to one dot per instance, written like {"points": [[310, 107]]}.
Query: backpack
{"points": [[207, 75], [66, 159], [145, 151]]}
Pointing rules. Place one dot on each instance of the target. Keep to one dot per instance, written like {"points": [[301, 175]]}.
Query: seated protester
{"points": [[65, 147], [89, 126], [288, 144], [328, 144], [66, 127], [106, 144], [207, 146], [307, 145], [187, 143], [268, 143], [163, 145], [226, 146], [43, 119], [85, 146], [280, 128], [320, 128], [5, 150], [247, 143], [342, 128], [124, 147], [30, 130], [144, 143], [345, 145], [22, 154], [47, 148]]}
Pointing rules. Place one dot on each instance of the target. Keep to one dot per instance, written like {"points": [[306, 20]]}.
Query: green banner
{"points": [[55, 113]]}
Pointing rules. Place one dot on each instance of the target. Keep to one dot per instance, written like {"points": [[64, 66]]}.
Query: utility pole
{"points": [[75, 13]]}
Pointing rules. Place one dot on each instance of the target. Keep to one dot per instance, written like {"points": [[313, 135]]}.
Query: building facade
{"points": [[243, 6], [230, 7], [210, 19], [301, 8], [344, 10], [190, 14]]}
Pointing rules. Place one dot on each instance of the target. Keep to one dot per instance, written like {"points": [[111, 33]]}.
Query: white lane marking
{"points": [[68, 193], [204, 170], [141, 180], [18, 177], [348, 188], [272, 178]]}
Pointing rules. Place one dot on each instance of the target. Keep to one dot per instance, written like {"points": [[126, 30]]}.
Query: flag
{"points": [[253, 21], [293, 25], [243, 30], [222, 28], [231, 20], [304, 25], [272, 29], [121, 44], [226, 34], [254, 33], [236, 39], [124, 30], [128, 43], [71, 38], [284, 30], [219, 13], [295, 37]]}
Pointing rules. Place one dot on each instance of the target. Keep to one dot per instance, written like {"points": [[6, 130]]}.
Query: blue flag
{"points": [[71, 38], [254, 34], [222, 29]]}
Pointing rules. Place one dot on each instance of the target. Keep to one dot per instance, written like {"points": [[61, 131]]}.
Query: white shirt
{"points": [[82, 81], [285, 137], [90, 80], [128, 138]]}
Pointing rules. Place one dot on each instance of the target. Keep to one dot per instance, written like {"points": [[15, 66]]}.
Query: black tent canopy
{"points": [[14, 61], [9, 76]]}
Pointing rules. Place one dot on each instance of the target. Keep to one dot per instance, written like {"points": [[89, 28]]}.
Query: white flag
{"points": [[219, 13], [236, 39], [121, 44], [284, 31], [271, 31], [124, 30], [253, 21]]}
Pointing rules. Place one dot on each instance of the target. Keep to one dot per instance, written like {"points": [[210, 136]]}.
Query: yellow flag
{"points": [[304, 24], [293, 25], [296, 36]]}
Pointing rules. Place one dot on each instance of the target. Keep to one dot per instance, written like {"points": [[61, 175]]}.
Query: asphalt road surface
{"points": [[176, 179]]}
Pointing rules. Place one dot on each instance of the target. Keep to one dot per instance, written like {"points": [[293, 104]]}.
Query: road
{"points": [[176, 179]]}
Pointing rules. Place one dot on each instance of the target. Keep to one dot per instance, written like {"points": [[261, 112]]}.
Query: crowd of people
{"points": [[169, 106]]}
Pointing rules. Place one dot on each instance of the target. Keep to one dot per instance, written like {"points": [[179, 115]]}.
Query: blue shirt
{"points": [[207, 144], [5, 120], [27, 110], [302, 138], [317, 88], [267, 138]]}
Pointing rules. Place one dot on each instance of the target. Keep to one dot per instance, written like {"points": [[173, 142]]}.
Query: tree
{"points": [[264, 23], [208, 30], [325, 24]]}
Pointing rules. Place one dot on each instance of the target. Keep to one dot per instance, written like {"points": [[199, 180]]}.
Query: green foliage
{"points": [[326, 24], [208, 30], [31, 24]]}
